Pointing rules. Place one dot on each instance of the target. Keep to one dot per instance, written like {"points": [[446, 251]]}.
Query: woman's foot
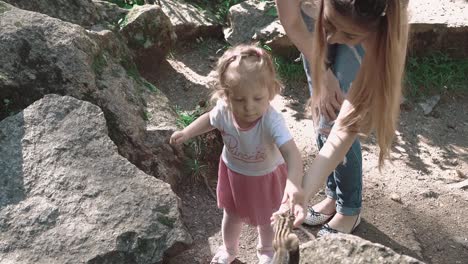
{"points": [[222, 257], [326, 206], [341, 224], [321, 212]]}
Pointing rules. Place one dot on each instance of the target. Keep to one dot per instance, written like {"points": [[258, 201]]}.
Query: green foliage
{"points": [[272, 11], [436, 73], [99, 62], [187, 117], [202, 151], [127, 3], [130, 68], [288, 70], [266, 47], [146, 115], [122, 22], [219, 8], [149, 86], [196, 167], [167, 221], [7, 106], [132, 71]]}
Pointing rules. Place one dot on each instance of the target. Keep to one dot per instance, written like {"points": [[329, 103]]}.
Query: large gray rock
{"points": [[81, 12], [348, 249], [148, 31], [67, 196], [253, 21], [189, 21], [42, 55], [86, 13], [439, 26]]}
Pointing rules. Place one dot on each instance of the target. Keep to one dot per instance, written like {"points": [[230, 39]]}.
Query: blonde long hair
{"points": [[375, 94]]}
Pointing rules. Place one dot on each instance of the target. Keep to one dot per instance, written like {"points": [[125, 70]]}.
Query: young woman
{"points": [[368, 39]]}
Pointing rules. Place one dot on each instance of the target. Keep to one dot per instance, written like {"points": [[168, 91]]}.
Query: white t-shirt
{"points": [[253, 151]]}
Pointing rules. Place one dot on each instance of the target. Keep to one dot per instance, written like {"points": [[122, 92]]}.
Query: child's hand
{"points": [[178, 137], [294, 197]]}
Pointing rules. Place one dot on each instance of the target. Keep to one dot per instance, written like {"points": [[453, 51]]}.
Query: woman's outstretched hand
{"points": [[293, 200]]}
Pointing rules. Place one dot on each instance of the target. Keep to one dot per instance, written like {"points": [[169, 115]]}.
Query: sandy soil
{"points": [[414, 206]]}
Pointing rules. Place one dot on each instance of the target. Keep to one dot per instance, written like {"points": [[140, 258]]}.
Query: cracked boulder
{"points": [[344, 249], [149, 33], [67, 196], [43, 55]]}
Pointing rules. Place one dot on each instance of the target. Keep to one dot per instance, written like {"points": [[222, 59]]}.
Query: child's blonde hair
{"points": [[245, 65], [376, 92]]}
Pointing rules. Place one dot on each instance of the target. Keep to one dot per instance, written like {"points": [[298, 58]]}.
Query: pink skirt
{"points": [[253, 198]]}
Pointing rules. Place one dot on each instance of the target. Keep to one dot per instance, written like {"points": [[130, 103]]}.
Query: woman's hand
{"points": [[293, 200], [331, 97]]}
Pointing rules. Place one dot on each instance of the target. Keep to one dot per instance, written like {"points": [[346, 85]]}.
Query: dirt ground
{"points": [[414, 206]]}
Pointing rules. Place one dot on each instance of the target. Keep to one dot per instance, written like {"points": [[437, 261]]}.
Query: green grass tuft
{"points": [[187, 117], [289, 70], [128, 4], [435, 74], [99, 63], [220, 8]]}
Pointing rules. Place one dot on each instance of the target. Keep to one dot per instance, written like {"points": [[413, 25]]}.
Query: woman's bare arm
{"points": [[331, 154]]}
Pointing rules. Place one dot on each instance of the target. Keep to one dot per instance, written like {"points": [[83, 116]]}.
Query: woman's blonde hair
{"points": [[375, 93], [245, 65]]}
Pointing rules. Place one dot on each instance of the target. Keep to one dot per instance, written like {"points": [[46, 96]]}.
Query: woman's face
{"points": [[341, 29]]}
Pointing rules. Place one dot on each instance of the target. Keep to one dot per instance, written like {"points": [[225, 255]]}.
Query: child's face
{"points": [[340, 29], [248, 103]]}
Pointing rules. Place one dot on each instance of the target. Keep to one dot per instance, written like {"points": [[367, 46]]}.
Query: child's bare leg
{"points": [[230, 228], [265, 249]]}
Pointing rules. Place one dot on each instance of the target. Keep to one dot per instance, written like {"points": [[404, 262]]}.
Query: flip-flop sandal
{"points": [[222, 257]]}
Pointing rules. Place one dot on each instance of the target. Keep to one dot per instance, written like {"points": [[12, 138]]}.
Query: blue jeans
{"points": [[344, 184]]}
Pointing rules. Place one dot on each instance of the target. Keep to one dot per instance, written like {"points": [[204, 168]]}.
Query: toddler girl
{"points": [[259, 158]]}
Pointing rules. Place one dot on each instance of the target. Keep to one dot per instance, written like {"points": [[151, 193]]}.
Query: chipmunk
{"points": [[285, 240]]}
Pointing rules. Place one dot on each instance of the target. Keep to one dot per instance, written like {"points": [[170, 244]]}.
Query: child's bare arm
{"points": [[200, 126], [293, 191], [293, 159]]}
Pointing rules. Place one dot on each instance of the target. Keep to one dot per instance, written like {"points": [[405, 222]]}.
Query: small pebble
{"points": [[395, 197]]}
